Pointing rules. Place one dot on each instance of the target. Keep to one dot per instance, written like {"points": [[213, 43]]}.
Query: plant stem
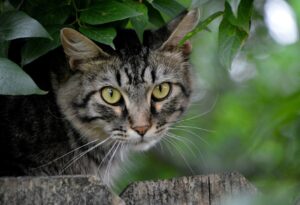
{"points": [[202, 25], [20, 4], [76, 12]]}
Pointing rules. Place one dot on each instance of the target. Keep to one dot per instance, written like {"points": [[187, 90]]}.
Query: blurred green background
{"points": [[245, 119]]}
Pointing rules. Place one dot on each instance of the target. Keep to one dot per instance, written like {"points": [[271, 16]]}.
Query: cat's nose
{"points": [[141, 129]]}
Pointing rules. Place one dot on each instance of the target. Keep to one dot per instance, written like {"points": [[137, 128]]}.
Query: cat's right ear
{"points": [[77, 47]]}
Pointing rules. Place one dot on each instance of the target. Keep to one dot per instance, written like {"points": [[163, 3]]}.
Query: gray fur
{"points": [[72, 130]]}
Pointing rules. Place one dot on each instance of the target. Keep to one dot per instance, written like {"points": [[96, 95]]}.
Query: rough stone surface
{"points": [[58, 190], [201, 190]]}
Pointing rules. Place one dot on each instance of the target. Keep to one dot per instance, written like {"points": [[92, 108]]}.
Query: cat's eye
{"points": [[110, 95], [161, 91]]}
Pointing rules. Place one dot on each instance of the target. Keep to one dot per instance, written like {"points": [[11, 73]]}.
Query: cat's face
{"points": [[134, 99], [128, 96]]}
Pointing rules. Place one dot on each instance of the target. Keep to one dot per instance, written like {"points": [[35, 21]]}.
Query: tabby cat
{"points": [[106, 103]]}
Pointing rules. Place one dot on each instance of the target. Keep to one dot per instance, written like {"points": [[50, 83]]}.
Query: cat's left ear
{"points": [[77, 47], [179, 30]]}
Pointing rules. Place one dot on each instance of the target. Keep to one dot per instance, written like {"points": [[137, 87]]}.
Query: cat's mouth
{"points": [[138, 142], [143, 143]]}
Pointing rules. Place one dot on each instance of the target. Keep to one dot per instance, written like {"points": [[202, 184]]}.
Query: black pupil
{"points": [[110, 92], [160, 88]]}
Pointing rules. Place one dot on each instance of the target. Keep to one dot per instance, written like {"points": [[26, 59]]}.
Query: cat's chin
{"points": [[144, 146]]}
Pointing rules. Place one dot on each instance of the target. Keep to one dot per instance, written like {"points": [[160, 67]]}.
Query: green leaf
{"points": [[185, 3], [245, 10], [35, 48], [139, 23], [52, 12], [101, 35], [197, 3], [244, 14], [53, 15], [14, 81], [155, 17], [233, 31], [201, 26], [107, 11], [168, 9], [234, 6], [17, 24], [231, 38], [230, 42]]}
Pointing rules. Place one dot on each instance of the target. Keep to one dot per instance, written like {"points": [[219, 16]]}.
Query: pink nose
{"points": [[141, 129]]}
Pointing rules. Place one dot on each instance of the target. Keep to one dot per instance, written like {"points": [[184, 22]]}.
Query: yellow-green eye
{"points": [[110, 95], [161, 91]]}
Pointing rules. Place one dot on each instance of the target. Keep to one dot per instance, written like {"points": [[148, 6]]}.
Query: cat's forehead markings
{"points": [[149, 75]]}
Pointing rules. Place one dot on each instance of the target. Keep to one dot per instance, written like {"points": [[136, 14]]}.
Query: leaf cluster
{"points": [[38, 24]]}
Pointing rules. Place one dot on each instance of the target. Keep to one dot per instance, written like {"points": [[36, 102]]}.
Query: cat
{"points": [[104, 104]]}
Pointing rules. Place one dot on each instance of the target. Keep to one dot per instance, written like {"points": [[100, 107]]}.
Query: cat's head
{"points": [[133, 94]]}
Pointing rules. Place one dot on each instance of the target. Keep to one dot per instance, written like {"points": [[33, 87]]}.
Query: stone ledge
{"points": [[200, 190]]}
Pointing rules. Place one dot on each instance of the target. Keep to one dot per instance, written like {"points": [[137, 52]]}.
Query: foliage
{"points": [[234, 29], [246, 122], [38, 22], [13, 76]]}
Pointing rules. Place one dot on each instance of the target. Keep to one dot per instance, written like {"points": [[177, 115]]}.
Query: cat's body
{"points": [[103, 106], [33, 133]]}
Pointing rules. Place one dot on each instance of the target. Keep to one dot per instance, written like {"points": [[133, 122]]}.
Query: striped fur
{"points": [[72, 130]]}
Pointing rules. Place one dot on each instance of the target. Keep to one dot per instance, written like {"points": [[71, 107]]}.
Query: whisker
{"points": [[182, 156], [194, 117], [72, 161], [107, 154], [123, 151], [160, 146], [192, 127], [106, 174], [185, 143], [192, 133], [201, 114], [179, 138], [196, 103], [54, 160], [165, 140]]}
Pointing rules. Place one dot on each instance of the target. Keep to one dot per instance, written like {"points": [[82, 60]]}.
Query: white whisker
{"points": [[73, 160], [184, 142], [165, 140], [201, 114], [179, 152], [192, 133], [109, 164], [54, 160], [122, 151], [107, 154], [193, 145], [192, 127]]}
